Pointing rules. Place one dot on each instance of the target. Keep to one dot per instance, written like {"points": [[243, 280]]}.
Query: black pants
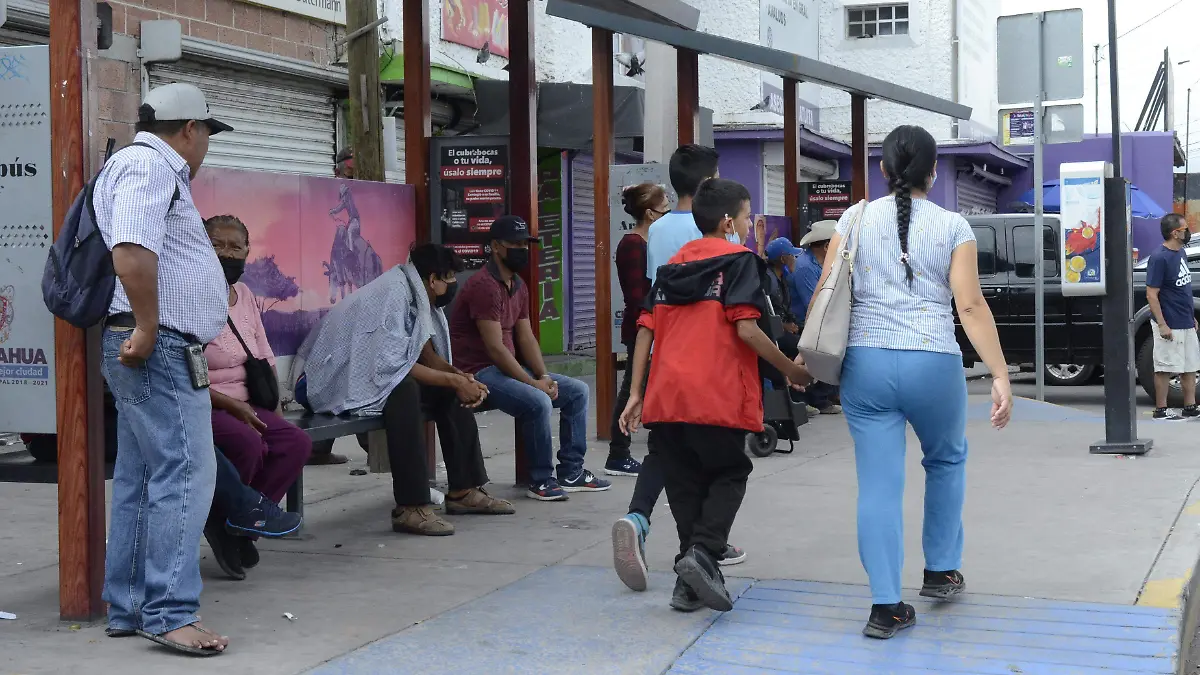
{"points": [[618, 445], [650, 479], [404, 415], [706, 470]]}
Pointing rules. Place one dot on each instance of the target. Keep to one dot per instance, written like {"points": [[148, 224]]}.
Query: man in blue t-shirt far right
{"points": [[1169, 292]]}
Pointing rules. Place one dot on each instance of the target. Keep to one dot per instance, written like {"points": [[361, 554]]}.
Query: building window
{"points": [[877, 20]]}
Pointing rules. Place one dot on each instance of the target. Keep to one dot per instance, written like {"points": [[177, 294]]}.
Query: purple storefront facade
{"points": [[973, 177]]}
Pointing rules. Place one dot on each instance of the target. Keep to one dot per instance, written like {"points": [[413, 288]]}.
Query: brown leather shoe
{"points": [[478, 501], [420, 520]]}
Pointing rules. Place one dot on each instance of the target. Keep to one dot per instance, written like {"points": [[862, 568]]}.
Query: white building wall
{"points": [[727, 87], [919, 60]]}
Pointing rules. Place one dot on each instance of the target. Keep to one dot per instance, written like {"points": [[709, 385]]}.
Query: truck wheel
{"points": [[1068, 374], [43, 447], [1145, 375]]}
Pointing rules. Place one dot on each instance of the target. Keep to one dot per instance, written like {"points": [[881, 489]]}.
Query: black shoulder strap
{"points": [[238, 335]]}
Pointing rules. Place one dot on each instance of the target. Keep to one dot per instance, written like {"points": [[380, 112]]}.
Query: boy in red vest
{"points": [[705, 392]]}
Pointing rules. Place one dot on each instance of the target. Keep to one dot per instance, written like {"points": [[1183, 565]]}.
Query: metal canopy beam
{"points": [[784, 64]]}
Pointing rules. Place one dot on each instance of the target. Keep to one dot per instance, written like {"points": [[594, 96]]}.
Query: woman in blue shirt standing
{"points": [[903, 367]]}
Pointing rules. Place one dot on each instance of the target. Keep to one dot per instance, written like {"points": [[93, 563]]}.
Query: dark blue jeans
{"points": [[231, 496], [532, 409]]}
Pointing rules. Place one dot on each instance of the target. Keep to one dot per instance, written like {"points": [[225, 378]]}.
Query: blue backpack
{"points": [[79, 281]]}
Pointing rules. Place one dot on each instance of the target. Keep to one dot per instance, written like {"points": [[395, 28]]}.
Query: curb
{"points": [[1173, 582]]}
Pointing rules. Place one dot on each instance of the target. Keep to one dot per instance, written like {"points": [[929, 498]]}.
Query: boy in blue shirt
{"points": [[690, 166]]}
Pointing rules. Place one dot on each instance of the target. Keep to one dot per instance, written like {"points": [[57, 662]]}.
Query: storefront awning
{"points": [[564, 112], [444, 80]]}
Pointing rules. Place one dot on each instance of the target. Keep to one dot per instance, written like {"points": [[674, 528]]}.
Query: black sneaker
{"points": [[683, 598], [1165, 414], [265, 519], [887, 620], [943, 585], [1190, 411], [699, 570], [249, 553], [226, 550]]}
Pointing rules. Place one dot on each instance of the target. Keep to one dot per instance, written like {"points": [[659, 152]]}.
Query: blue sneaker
{"points": [[547, 491], [585, 481], [264, 519], [623, 467], [629, 550]]}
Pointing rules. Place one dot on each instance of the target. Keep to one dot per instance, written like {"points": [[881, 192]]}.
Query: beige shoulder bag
{"points": [[827, 326]]}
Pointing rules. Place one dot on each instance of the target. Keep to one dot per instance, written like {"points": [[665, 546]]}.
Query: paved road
{"points": [[1089, 398]]}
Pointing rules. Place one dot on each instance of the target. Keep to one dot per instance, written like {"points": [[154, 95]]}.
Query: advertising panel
{"points": [[474, 23], [26, 233], [622, 176], [1082, 236], [823, 200], [469, 189], [333, 11], [550, 253]]}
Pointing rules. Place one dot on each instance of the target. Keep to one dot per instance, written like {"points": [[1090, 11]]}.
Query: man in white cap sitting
{"points": [[803, 284], [171, 299]]}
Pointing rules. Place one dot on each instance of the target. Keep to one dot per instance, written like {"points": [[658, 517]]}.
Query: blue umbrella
{"points": [[1143, 206]]}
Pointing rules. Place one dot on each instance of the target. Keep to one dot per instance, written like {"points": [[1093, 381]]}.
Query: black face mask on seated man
{"points": [[446, 298]]}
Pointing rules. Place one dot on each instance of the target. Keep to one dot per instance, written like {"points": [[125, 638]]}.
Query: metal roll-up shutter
{"points": [[582, 229], [397, 176], [976, 197], [773, 197], [281, 125], [15, 38]]}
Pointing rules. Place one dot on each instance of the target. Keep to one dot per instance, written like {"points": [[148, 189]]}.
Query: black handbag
{"points": [[260, 376]]}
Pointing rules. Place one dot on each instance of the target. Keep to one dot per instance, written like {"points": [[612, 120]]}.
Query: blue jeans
{"points": [[883, 391], [531, 408], [162, 487]]}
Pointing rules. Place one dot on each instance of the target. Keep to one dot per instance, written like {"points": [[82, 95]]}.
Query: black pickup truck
{"points": [[1074, 325]]}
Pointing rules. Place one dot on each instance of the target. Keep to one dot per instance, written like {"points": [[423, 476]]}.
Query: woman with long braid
{"points": [[903, 367]]}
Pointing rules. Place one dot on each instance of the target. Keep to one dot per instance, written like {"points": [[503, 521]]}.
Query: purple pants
{"points": [[268, 462]]}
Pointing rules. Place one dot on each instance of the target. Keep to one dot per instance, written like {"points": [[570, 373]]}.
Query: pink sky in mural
{"points": [[288, 218]]}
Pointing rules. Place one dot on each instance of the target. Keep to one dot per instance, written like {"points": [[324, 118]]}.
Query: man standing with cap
{"points": [[803, 284], [171, 299], [493, 340]]}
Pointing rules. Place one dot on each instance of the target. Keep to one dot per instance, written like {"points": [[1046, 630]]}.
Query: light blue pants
{"points": [[883, 391], [162, 487]]}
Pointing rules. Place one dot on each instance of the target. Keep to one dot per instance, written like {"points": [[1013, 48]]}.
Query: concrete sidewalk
{"points": [[534, 591]]}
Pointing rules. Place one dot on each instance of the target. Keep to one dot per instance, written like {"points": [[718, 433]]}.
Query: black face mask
{"points": [[517, 259], [1187, 237], [233, 268], [446, 298]]}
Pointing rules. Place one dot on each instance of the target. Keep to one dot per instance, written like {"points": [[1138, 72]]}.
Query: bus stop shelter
{"points": [[81, 465]]}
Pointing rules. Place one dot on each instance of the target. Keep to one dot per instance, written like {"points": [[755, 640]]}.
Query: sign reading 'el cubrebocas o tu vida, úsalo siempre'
{"points": [[822, 200], [333, 11], [470, 192], [27, 397]]}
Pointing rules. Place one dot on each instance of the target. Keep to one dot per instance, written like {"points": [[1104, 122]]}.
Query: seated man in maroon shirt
{"points": [[492, 338]]}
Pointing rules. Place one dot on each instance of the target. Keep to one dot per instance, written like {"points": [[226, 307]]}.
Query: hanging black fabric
{"points": [[261, 384]]}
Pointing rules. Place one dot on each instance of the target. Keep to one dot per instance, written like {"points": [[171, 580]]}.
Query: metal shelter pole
{"points": [[791, 142], [1039, 254], [858, 147], [688, 72]]}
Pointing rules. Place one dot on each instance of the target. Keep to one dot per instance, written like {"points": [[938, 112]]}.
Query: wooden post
{"points": [[365, 106], [858, 147], [418, 126], [522, 120], [791, 147], [602, 152], [687, 70], [81, 521]]}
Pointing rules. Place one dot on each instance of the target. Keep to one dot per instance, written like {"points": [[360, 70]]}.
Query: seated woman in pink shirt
{"points": [[269, 452]]}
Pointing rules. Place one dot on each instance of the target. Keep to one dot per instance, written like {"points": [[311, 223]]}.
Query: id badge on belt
{"points": [[197, 365]]}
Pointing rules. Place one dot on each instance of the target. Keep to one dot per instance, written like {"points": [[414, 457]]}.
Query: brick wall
{"points": [[116, 85]]}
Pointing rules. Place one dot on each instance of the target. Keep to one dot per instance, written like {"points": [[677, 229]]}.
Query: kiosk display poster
{"points": [[822, 200], [1082, 236], [470, 189]]}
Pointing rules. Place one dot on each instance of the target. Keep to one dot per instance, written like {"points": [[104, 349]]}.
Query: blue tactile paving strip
{"points": [[566, 620], [808, 627]]}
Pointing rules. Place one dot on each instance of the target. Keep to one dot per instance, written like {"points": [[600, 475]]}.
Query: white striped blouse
{"points": [[887, 313]]}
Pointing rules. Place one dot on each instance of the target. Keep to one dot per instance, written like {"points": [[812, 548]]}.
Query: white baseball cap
{"points": [[179, 101]]}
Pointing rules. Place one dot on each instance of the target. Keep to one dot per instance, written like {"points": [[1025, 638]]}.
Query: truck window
{"points": [[985, 241], [1022, 237]]}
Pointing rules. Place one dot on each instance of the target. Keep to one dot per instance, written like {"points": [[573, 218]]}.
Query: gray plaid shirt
{"points": [[133, 206]]}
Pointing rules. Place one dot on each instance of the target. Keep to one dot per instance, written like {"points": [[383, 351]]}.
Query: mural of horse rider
{"points": [[353, 263]]}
